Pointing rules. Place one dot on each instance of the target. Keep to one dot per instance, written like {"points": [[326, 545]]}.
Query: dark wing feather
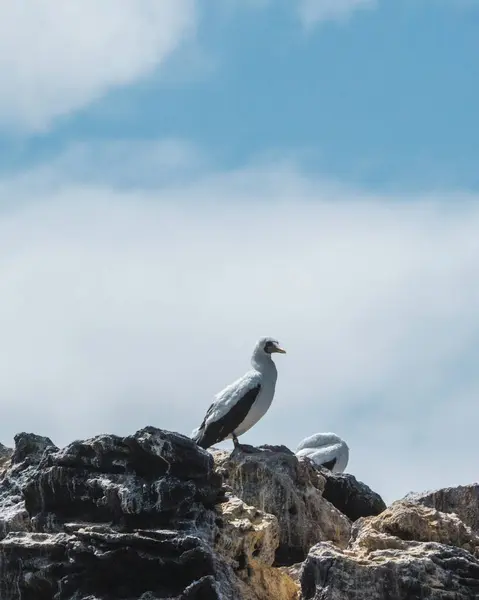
{"points": [[330, 464], [217, 431]]}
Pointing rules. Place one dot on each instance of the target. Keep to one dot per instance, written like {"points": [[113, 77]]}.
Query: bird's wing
{"points": [[321, 455], [319, 440], [330, 464], [227, 398], [228, 410]]}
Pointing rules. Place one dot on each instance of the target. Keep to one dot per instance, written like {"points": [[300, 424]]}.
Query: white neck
{"points": [[262, 362]]}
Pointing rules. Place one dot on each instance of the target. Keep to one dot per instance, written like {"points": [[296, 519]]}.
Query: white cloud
{"points": [[122, 164], [121, 309], [315, 11], [58, 57]]}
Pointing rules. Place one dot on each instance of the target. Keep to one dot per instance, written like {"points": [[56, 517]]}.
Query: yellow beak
{"points": [[279, 349]]}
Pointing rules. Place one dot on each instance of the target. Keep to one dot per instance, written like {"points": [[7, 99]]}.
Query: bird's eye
{"points": [[268, 347]]}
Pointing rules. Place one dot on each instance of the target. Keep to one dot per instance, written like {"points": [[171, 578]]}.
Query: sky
{"points": [[181, 178]]}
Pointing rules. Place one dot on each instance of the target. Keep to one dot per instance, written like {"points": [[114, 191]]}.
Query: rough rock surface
{"points": [[18, 466], [149, 517], [350, 496], [143, 517], [111, 517], [462, 500], [248, 539], [101, 563], [408, 552], [409, 522], [5, 455], [275, 481]]}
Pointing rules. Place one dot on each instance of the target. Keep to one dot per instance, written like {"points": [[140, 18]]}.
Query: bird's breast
{"points": [[259, 407]]}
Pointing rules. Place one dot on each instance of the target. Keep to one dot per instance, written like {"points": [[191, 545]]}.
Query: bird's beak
{"points": [[279, 349]]}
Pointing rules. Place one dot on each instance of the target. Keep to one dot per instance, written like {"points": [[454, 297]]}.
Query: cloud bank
{"points": [[126, 308], [58, 57]]}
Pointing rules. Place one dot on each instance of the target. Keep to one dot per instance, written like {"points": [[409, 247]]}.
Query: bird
{"points": [[239, 406], [325, 450]]}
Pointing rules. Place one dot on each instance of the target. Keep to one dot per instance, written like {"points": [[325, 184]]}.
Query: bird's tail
{"points": [[198, 436]]}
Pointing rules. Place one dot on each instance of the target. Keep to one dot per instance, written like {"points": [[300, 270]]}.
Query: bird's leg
{"points": [[241, 447]]}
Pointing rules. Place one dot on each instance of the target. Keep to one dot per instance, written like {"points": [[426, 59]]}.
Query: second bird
{"points": [[242, 404]]}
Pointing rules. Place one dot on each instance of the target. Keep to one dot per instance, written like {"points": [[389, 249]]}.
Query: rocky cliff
{"points": [[151, 516]]}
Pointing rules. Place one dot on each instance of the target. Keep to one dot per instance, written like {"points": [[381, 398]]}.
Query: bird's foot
{"points": [[245, 448], [237, 446]]}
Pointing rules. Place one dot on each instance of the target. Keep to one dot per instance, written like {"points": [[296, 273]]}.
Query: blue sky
{"points": [[181, 178], [386, 97]]}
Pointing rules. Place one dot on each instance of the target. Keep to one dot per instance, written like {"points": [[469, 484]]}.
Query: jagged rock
{"points": [[140, 517], [462, 500], [150, 479], [113, 517], [103, 563], [350, 496], [146, 517], [248, 538], [428, 571], [19, 467], [30, 448], [5, 455], [293, 571], [410, 522], [272, 479], [247, 533], [407, 552]]}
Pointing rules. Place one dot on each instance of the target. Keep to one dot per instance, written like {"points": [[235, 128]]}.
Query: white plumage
{"points": [[229, 396], [325, 449], [239, 406]]}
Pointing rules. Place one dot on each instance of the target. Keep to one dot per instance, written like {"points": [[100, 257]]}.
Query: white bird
{"points": [[242, 404], [325, 450]]}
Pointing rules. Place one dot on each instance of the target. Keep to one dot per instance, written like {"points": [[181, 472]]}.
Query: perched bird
{"points": [[325, 450], [242, 404]]}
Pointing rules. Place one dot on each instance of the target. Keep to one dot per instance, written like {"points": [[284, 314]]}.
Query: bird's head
{"points": [[267, 346]]}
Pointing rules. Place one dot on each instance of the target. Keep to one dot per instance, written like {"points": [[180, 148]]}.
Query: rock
{"points": [[350, 496], [293, 571], [5, 455], [273, 480], [248, 539], [407, 552], [410, 522], [247, 533], [152, 479], [462, 500], [427, 571], [30, 448], [101, 563], [142, 517], [112, 517], [148, 517], [21, 464]]}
